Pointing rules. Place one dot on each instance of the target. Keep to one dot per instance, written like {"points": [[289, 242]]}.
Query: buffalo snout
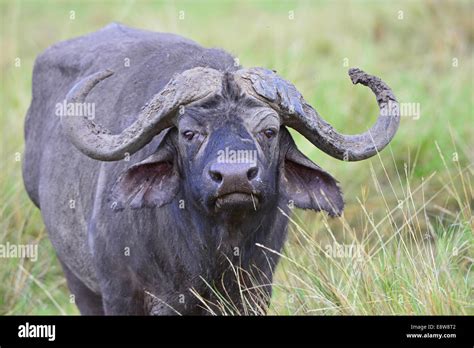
{"points": [[236, 184]]}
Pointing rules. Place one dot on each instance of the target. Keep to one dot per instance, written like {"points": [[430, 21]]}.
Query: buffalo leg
{"points": [[121, 302], [88, 302]]}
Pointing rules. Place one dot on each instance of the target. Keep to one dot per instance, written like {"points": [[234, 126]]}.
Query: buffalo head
{"points": [[226, 145]]}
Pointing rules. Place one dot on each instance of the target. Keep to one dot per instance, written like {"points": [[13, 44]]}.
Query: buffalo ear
{"points": [[153, 182], [309, 186]]}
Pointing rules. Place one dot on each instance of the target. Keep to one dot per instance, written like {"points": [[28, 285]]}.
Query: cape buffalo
{"points": [[161, 167]]}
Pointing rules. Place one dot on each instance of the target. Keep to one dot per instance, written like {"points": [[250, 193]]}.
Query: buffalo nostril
{"points": [[252, 173], [215, 176]]}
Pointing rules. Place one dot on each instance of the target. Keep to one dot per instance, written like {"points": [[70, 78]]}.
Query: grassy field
{"points": [[405, 242]]}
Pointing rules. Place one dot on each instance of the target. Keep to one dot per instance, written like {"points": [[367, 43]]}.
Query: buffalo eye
{"points": [[269, 133], [188, 135]]}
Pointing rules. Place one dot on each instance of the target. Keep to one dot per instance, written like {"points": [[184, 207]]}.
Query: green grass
{"points": [[408, 211]]}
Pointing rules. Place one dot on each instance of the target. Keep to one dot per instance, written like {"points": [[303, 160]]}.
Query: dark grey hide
{"points": [[135, 238]]}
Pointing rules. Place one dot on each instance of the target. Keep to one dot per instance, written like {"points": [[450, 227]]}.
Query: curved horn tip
{"points": [[105, 73], [84, 86], [357, 75], [100, 75]]}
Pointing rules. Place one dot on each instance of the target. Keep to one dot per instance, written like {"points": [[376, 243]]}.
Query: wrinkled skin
{"points": [[143, 233]]}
